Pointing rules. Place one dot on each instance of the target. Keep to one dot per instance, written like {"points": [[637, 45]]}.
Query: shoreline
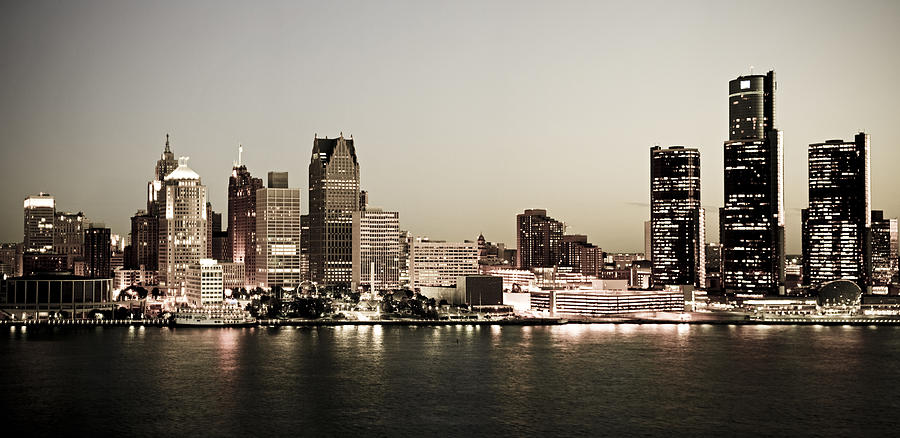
{"points": [[849, 321]]}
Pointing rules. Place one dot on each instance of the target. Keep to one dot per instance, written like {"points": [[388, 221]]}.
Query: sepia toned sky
{"points": [[463, 113]]}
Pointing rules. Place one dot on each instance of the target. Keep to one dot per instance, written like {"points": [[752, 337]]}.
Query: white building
{"points": [[234, 275], [205, 285], [133, 277], [376, 244], [278, 238], [439, 263], [183, 231]]}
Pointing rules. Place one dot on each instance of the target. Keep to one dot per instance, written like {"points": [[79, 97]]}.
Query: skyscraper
{"points": [[677, 227], [884, 250], [333, 197], [40, 218], [144, 241], [68, 236], [156, 197], [836, 244], [97, 251], [538, 237], [752, 220], [376, 245], [183, 229], [278, 212], [242, 187]]}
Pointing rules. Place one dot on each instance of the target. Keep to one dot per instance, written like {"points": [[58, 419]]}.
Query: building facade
{"points": [[884, 250], [439, 263], [752, 220], [677, 222], [97, 251], [837, 224], [333, 197], [183, 230], [205, 285], [539, 238], [40, 218], [278, 232], [376, 249], [144, 241], [583, 257], [68, 236], [241, 246]]}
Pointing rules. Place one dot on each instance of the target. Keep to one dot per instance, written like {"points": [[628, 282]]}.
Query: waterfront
{"points": [[576, 379]]}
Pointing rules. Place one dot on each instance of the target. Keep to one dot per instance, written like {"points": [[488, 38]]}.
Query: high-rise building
{"points": [[439, 263], [538, 237], [156, 195], [647, 241], [144, 242], [68, 236], [836, 226], [752, 220], [376, 249], [333, 197], [677, 225], [40, 218], [584, 257], [242, 188], [405, 245], [9, 259], [97, 251], [278, 237], [183, 229], [884, 249]]}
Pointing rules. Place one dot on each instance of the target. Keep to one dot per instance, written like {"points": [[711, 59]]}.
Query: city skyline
{"points": [[428, 116]]}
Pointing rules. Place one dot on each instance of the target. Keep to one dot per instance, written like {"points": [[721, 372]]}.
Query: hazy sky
{"points": [[463, 113]]}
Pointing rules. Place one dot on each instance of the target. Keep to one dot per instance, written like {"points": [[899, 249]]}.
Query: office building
{"points": [[9, 260], [677, 222], [55, 295], [156, 191], [40, 218], [376, 250], [68, 236], [581, 256], [439, 263], [144, 241], [538, 238], [752, 220], [278, 231], [884, 250], [183, 230], [333, 197], [242, 188], [836, 226], [97, 251], [204, 284]]}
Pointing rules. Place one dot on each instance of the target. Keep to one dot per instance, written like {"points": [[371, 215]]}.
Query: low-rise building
{"points": [[204, 284]]}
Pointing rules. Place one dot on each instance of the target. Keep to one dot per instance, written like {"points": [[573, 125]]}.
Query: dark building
{"points": [[752, 220], [219, 242], [836, 226], [884, 249], [713, 266], [539, 239], [481, 290], [278, 180], [677, 222], [333, 197], [37, 263], [577, 253], [68, 236], [9, 260], [241, 246], [363, 199], [97, 252], [144, 241]]}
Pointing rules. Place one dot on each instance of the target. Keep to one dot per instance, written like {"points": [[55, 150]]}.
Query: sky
{"points": [[463, 113]]}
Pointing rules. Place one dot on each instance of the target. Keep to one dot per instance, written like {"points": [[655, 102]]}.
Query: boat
{"points": [[213, 317]]}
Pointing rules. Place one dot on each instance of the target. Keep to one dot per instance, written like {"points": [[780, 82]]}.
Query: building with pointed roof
{"points": [[183, 229]]}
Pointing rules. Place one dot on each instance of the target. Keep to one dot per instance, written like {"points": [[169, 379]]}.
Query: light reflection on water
{"points": [[600, 379]]}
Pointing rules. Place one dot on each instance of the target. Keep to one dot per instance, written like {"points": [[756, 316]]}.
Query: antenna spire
{"points": [[167, 143], [240, 153]]}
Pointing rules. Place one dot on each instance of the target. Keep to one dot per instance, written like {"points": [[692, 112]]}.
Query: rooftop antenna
{"points": [[751, 70], [240, 153]]}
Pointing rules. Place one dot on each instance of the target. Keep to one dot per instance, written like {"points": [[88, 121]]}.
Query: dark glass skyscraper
{"points": [[97, 251], [539, 239], [677, 220], [752, 220], [837, 224], [884, 249], [333, 197], [144, 241]]}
